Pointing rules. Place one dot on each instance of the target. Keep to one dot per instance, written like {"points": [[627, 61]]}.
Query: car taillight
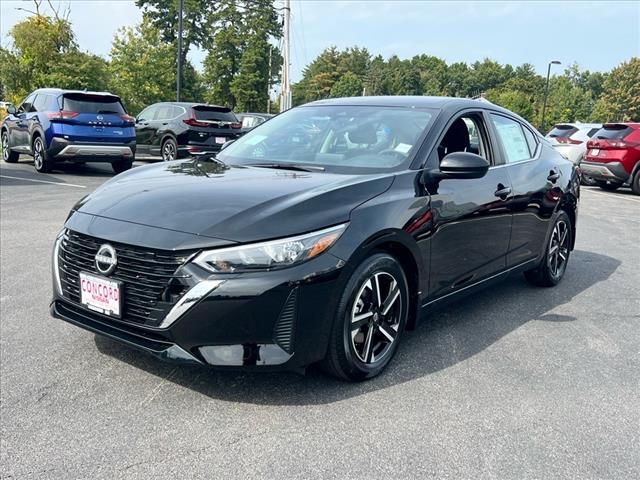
{"points": [[568, 140], [61, 114], [195, 123], [128, 118]]}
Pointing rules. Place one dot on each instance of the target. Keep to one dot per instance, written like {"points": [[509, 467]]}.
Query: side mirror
{"points": [[226, 144], [462, 165], [11, 110]]}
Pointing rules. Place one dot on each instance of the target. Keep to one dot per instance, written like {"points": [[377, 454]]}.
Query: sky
{"points": [[596, 35]]}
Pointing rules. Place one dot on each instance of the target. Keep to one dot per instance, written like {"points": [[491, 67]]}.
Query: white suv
{"points": [[570, 140]]}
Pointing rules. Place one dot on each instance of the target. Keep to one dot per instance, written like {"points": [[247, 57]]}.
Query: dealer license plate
{"points": [[101, 294], [221, 140], [594, 152]]}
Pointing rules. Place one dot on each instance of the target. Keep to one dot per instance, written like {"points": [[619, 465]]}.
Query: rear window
{"points": [[84, 103], [613, 132], [564, 131], [217, 114]]}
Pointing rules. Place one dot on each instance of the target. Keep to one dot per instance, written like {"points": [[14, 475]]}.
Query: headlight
{"points": [[269, 255]]}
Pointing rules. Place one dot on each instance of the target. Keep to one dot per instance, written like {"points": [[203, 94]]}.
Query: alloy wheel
{"points": [[38, 159], [5, 147], [375, 317], [558, 249], [168, 152]]}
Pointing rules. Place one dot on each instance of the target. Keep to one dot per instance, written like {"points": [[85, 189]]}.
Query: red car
{"points": [[613, 156]]}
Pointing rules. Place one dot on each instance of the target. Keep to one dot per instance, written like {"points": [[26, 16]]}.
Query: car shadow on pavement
{"points": [[442, 340]]}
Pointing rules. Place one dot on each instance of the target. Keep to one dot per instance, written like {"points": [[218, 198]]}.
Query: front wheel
{"points": [[369, 321], [7, 155], [554, 263], [608, 186]]}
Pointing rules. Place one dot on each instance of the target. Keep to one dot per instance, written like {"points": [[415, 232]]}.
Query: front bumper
{"points": [[268, 320], [63, 149], [611, 171]]}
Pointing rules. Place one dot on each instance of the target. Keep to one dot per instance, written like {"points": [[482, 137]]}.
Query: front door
{"points": [[145, 129], [472, 221]]}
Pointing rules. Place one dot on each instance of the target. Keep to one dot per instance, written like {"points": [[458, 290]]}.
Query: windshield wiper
{"points": [[289, 166]]}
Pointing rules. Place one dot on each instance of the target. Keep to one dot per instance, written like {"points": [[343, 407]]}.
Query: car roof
{"points": [[62, 91], [191, 104]]}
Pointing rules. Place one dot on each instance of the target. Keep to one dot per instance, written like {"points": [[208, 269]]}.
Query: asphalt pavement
{"points": [[514, 382]]}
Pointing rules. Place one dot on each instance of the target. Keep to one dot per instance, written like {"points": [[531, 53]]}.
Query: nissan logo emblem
{"points": [[99, 118], [106, 259]]}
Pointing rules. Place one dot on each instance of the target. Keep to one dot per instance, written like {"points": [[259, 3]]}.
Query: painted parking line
{"points": [[612, 195], [43, 181]]}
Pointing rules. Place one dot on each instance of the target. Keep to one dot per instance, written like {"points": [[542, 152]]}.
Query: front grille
{"points": [[150, 283]]}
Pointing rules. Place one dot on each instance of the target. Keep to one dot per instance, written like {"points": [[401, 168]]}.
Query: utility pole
{"points": [[269, 83], [546, 93], [285, 95], [179, 76]]}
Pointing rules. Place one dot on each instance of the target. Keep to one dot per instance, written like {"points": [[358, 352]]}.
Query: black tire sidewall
{"points": [[635, 183], [46, 163], [351, 367]]}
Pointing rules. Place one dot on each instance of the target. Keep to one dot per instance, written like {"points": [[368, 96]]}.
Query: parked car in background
{"points": [[320, 235], [570, 140], [170, 130], [54, 125], [252, 120], [613, 156]]}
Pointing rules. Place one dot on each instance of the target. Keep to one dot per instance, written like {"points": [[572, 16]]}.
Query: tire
{"points": [[41, 160], [169, 150], [635, 183], [8, 155], [353, 346], [608, 186], [122, 165], [551, 270]]}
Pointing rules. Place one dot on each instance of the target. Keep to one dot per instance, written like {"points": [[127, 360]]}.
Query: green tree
{"points": [[349, 85], [44, 53], [620, 100], [142, 69]]}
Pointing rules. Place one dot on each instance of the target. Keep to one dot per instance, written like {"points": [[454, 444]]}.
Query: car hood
{"points": [[233, 203]]}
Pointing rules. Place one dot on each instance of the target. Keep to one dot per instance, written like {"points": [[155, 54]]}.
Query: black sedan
{"points": [[320, 236], [171, 130]]}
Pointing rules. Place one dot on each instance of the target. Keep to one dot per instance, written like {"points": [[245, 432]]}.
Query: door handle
{"points": [[502, 192], [553, 177]]}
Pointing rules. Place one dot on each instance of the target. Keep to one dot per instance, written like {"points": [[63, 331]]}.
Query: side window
{"points": [[176, 111], [531, 141], [41, 104], [147, 114], [27, 104], [164, 112], [466, 134], [514, 143], [592, 132]]}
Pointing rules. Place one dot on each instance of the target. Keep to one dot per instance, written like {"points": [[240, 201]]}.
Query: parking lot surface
{"points": [[513, 382]]}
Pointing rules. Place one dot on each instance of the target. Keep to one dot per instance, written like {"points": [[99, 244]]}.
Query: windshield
{"points": [[368, 138]]}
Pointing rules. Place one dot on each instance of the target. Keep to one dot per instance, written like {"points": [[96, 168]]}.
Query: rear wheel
{"points": [[7, 155], [122, 165], [553, 265], [169, 150], [635, 183], [41, 160], [371, 316], [608, 186]]}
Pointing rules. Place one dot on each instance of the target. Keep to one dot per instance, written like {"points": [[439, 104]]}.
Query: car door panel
{"points": [[471, 222]]}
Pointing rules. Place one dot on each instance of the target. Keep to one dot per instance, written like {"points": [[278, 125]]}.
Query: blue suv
{"points": [[55, 125]]}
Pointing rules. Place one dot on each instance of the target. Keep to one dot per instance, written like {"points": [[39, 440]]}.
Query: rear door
{"points": [[212, 126], [93, 118], [535, 176], [144, 129]]}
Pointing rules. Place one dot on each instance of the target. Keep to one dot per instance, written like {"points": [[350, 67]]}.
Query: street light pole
{"points": [[285, 92], [546, 93], [179, 73]]}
